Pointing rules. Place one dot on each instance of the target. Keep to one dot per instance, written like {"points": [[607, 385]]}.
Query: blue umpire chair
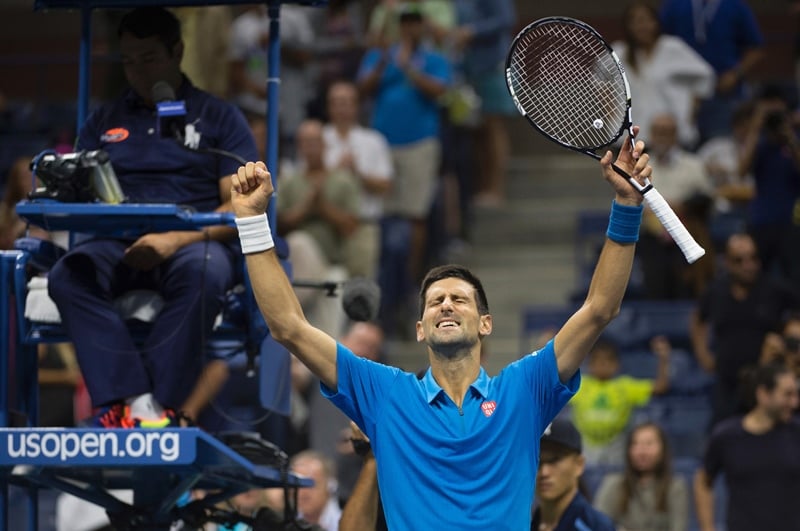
{"points": [[160, 466]]}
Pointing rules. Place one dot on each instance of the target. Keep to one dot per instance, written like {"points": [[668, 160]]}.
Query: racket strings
{"points": [[568, 83]]}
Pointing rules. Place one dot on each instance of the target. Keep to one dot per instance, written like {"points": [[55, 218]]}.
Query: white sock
{"points": [[145, 407]]}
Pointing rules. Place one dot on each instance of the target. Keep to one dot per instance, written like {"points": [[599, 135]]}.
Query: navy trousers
{"points": [[192, 283]]}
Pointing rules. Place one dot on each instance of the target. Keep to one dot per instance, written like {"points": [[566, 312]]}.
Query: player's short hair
{"points": [[453, 271]]}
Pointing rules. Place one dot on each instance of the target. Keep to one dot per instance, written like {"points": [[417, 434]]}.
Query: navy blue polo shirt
{"points": [[441, 467], [579, 516], [151, 169]]}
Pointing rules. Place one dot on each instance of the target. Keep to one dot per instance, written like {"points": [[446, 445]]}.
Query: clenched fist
{"points": [[251, 188]]}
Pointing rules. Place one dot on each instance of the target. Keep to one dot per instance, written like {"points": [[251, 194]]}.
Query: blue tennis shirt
{"points": [[444, 468]]}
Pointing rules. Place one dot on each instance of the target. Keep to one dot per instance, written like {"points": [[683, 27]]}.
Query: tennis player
{"points": [[455, 449]]}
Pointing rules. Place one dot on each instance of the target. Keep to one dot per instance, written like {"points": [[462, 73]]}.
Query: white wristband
{"points": [[254, 234]]}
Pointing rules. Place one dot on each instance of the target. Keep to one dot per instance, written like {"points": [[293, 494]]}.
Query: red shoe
{"points": [[106, 417]]}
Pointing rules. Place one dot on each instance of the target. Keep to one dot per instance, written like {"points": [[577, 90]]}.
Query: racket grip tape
{"points": [[669, 220]]}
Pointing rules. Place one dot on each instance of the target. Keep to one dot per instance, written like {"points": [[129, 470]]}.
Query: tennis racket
{"points": [[570, 85]]}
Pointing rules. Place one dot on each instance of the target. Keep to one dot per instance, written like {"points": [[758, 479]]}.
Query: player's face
{"points": [[450, 320], [646, 450], [558, 475]]}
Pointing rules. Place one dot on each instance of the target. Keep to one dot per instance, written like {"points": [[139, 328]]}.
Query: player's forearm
{"points": [[610, 280], [274, 295], [287, 324]]}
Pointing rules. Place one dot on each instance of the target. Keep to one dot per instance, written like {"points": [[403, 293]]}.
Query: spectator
{"points": [[784, 347], [406, 81], [384, 21], [602, 407], [757, 456], [449, 447], [732, 318], [646, 495], [733, 190], [318, 211], [685, 185], [364, 153], [560, 505], [363, 510], [484, 35], [338, 46], [319, 504], [665, 74], [19, 183], [137, 385], [248, 67], [771, 153], [725, 33]]}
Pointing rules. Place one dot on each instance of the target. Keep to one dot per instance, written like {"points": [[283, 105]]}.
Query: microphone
{"points": [[361, 299], [171, 113]]}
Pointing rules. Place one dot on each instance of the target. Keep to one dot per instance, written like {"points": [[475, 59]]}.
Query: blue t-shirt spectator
{"points": [[402, 113]]}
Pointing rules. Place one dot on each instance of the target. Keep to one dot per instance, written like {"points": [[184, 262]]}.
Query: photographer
{"points": [[771, 154]]}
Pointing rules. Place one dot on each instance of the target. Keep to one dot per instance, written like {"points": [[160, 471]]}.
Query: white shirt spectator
{"points": [[680, 175], [371, 156], [668, 82]]}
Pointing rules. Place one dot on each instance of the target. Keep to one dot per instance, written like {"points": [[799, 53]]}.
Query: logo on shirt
{"points": [[118, 134], [488, 407]]}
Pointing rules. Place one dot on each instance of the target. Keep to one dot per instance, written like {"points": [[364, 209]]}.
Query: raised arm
{"points": [[613, 270], [250, 192]]}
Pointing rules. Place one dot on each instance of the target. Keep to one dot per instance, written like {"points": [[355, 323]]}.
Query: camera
{"points": [[81, 177]]}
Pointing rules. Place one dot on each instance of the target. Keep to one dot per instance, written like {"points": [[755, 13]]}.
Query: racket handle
{"points": [[669, 220]]}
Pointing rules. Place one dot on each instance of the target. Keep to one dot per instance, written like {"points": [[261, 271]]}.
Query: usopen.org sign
{"points": [[95, 447]]}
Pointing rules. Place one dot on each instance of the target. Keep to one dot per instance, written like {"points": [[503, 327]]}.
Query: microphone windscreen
{"points": [[162, 91], [361, 299]]}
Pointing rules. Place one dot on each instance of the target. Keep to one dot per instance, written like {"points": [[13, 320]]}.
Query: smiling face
{"points": [[451, 322]]}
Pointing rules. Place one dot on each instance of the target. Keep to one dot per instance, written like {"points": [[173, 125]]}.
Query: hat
{"points": [[563, 432]]}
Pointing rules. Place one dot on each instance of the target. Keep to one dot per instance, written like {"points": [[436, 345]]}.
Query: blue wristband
{"points": [[623, 224]]}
